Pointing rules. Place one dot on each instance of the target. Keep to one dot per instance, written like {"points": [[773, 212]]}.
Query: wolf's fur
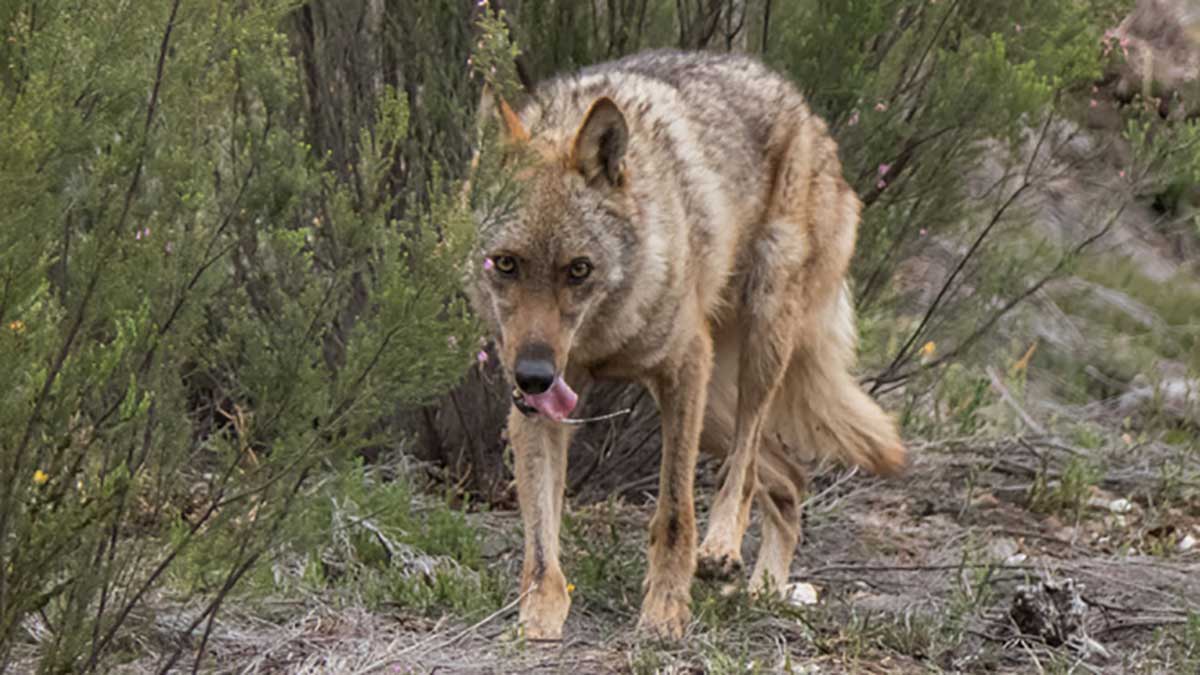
{"points": [[711, 204]]}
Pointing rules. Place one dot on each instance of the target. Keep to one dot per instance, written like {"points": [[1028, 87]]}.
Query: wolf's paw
{"points": [[665, 613], [717, 565], [544, 611], [535, 629], [764, 586]]}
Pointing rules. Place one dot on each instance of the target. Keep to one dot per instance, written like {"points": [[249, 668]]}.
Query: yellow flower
{"points": [[1023, 362], [17, 326], [40, 477], [570, 588], [929, 348]]}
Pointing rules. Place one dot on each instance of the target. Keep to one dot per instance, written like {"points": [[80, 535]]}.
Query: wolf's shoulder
{"points": [[675, 82], [679, 69]]}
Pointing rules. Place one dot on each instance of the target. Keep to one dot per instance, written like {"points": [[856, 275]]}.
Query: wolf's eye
{"points": [[505, 264], [579, 270]]}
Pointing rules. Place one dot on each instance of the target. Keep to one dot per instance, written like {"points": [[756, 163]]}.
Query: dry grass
{"points": [[915, 575]]}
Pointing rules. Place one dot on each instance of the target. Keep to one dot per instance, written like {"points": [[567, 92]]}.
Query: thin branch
{"points": [[913, 568], [983, 329], [424, 644], [1008, 398], [766, 26], [1157, 622], [907, 349]]}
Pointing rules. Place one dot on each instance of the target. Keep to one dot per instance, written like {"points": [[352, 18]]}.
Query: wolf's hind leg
{"points": [[781, 485], [767, 334], [540, 448]]}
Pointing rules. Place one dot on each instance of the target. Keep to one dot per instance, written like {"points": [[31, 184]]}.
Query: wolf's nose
{"points": [[534, 376]]}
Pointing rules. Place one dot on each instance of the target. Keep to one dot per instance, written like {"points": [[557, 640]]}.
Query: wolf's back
{"points": [[713, 128], [731, 103]]}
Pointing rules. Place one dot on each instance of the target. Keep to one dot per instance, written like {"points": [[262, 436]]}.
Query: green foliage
{"points": [[232, 242], [1175, 302], [1187, 642], [195, 312], [956, 404], [918, 94], [604, 566], [366, 537], [1067, 493]]}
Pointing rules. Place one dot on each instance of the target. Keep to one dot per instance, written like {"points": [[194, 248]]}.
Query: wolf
{"points": [[683, 223]]}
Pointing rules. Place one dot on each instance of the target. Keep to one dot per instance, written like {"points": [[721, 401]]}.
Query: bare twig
{"points": [[424, 645], [807, 504], [908, 348], [1008, 398], [1156, 622], [766, 25], [913, 568], [890, 377]]}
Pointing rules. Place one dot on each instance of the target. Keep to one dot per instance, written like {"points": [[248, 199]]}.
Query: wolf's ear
{"points": [[600, 144], [512, 123], [491, 105]]}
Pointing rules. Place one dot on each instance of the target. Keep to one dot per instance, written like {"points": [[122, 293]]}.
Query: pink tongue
{"points": [[556, 402]]}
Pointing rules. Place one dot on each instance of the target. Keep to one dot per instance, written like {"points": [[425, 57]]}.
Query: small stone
{"points": [[1120, 506], [985, 500], [1003, 548], [800, 594]]}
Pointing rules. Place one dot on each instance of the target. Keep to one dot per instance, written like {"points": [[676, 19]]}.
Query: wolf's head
{"points": [[546, 264]]}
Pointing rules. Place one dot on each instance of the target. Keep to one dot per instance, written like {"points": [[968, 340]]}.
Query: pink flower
{"points": [[881, 184], [1093, 103], [481, 357], [853, 118], [880, 107], [884, 168], [1122, 174], [924, 232], [488, 264]]}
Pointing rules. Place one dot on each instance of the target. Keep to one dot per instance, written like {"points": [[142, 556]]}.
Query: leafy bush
{"points": [[231, 243], [196, 314]]}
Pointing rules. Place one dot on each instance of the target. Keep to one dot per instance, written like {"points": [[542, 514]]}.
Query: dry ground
{"points": [[916, 574]]}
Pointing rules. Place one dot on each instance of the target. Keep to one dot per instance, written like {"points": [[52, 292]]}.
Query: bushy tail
{"points": [[822, 408], [821, 411]]}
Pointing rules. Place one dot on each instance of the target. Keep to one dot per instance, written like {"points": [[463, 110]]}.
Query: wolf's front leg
{"points": [[680, 386], [541, 466]]}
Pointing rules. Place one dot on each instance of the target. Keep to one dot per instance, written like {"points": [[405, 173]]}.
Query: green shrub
{"points": [[196, 314]]}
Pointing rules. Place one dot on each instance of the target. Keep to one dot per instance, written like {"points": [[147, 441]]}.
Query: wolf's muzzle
{"points": [[534, 370]]}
